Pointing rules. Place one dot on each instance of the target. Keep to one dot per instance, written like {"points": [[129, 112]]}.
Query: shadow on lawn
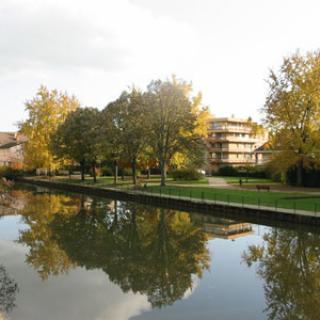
{"points": [[301, 198]]}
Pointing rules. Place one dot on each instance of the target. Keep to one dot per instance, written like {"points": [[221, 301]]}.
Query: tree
{"points": [[111, 135], [78, 139], [172, 121], [46, 111], [194, 156], [293, 112], [126, 115]]}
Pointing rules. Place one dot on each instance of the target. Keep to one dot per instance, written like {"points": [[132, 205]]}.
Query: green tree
{"points": [[126, 115], [173, 121], [45, 111], [111, 135], [292, 111], [78, 139]]}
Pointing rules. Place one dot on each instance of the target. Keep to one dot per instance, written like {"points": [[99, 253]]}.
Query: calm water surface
{"points": [[65, 256]]}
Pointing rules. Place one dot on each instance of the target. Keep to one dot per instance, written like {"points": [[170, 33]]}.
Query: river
{"points": [[69, 256]]}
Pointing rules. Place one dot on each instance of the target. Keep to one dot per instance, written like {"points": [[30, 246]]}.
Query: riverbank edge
{"points": [[254, 214]]}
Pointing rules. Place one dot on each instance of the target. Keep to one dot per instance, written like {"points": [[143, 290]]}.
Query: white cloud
{"points": [[95, 49], [78, 34]]}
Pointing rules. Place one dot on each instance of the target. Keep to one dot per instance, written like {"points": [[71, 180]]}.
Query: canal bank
{"points": [[252, 213]]}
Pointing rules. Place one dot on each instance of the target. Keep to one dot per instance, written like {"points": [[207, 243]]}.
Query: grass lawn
{"points": [[294, 201], [127, 182], [200, 189], [249, 181]]}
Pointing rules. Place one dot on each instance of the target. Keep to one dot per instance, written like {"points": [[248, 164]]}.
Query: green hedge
{"points": [[10, 173], [250, 172]]}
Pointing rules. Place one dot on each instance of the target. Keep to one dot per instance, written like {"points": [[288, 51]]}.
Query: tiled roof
{"points": [[10, 139], [265, 147]]}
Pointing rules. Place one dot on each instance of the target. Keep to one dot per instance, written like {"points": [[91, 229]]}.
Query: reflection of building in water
{"points": [[6, 211], [2, 316], [224, 228], [11, 203]]}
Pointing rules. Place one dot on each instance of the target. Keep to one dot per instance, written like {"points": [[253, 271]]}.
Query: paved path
{"points": [[218, 182]]}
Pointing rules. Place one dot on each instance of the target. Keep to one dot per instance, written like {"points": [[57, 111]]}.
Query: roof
{"points": [[265, 147], [229, 119], [11, 139]]}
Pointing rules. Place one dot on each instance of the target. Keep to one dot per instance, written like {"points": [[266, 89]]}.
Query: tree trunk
{"points": [[148, 174], [134, 171], [94, 173], [122, 174], [163, 168], [82, 170], [299, 173], [115, 176]]}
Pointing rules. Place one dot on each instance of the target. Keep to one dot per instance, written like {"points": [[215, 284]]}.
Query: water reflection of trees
{"points": [[147, 250], [289, 263], [39, 210]]}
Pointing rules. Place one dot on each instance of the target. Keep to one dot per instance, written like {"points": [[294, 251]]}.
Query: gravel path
{"points": [[219, 183]]}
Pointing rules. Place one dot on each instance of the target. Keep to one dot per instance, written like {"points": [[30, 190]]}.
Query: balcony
{"points": [[232, 161], [232, 139], [231, 150], [230, 129]]}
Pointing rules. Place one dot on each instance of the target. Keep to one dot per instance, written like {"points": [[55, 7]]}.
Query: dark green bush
{"points": [[228, 171], [11, 173], [186, 174], [256, 172], [250, 172], [106, 171], [125, 172], [310, 177]]}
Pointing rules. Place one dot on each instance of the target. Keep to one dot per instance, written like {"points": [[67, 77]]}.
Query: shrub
{"points": [[11, 173], [186, 174], [125, 172], [250, 172], [106, 171], [228, 171], [310, 177], [255, 172]]}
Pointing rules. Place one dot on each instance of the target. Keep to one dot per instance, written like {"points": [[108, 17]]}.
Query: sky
{"points": [[96, 49]]}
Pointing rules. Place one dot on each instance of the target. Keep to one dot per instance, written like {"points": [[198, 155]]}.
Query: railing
{"points": [[230, 129], [232, 160], [233, 139], [242, 201], [232, 149]]}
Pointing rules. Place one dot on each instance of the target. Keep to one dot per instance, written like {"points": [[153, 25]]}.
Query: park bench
{"points": [[262, 187]]}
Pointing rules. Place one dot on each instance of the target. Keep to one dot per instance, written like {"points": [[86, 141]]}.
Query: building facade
{"points": [[233, 142], [11, 149], [263, 154]]}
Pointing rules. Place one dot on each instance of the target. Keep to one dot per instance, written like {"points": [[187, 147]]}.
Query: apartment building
{"points": [[11, 149], [233, 142]]}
